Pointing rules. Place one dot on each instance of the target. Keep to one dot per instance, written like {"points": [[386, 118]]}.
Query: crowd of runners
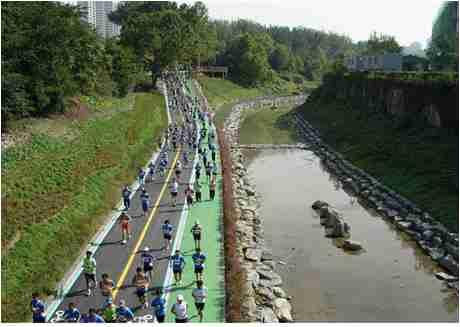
{"points": [[194, 135]]}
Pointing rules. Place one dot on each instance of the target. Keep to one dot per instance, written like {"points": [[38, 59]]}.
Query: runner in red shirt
{"points": [[125, 230]]}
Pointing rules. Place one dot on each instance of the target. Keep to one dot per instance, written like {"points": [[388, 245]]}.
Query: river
{"points": [[392, 280]]}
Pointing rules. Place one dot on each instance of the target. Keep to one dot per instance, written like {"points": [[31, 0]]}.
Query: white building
{"points": [[96, 13]]}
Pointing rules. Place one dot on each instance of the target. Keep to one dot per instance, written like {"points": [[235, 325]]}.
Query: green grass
{"points": [[267, 126], [56, 193], [418, 161]]}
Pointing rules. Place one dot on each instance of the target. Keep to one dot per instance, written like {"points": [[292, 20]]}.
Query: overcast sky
{"points": [[407, 20]]}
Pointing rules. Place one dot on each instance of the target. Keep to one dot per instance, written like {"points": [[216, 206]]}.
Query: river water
{"points": [[392, 280]]}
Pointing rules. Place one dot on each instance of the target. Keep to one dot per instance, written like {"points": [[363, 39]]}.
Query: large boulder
{"points": [[350, 245], [279, 292], [448, 263], [268, 316], [282, 309], [253, 254]]}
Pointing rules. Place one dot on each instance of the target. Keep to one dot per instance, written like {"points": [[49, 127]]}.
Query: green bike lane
{"points": [[209, 214]]}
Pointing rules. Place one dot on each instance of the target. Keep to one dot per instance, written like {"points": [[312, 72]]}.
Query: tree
{"points": [[380, 44], [279, 58]]}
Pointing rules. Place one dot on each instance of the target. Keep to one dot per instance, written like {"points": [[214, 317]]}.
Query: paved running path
{"points": [[209, 213], [120, 261]]}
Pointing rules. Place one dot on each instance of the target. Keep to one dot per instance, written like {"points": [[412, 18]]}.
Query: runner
{"points": [[109, 313], [38, 309], [72, 314], [215, 170], [196, 232], [198, 260], [106, 285], [179, 309], [140, 177], [124, 313], [126, 193], [167, 229], [174, 141], [145, 199], [212, 188], [174, 191], [213, 155], [148, 260], [185, 158], [151, 171], [158, 304], [125, 230], [91, 317], [89, 269], [197, 190], [178, 264], [178, 170], [142, 284], [209, 170], [197, 170], [200, 293], [189, 195]]}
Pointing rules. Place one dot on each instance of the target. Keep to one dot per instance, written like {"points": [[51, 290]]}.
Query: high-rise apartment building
{"points": [[96, 13]]}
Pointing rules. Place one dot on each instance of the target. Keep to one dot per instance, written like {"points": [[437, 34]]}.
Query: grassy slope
{"points": [[419, 162], [57, 193], [222, 94], [266, 126]]}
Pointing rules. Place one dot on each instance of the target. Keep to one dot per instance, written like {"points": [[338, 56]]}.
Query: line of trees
{"points": [[49, 54]]}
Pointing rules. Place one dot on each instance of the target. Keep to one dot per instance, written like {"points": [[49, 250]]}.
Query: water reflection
{"points": [[391, 280]]}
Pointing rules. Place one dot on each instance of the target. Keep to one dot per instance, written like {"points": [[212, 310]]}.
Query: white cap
{"points": [[197, 222], [180, 297], [146, 249]]}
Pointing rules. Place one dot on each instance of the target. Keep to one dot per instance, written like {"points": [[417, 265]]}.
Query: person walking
{"points": [[159, 306], [141, 282], [89, 269], [124, 221], [38, 309], [126, 193], [179, 309], [178, 264], [145, 200], [196, 232], [200, 294], [212, 188], [198, 260], [167, 229]]}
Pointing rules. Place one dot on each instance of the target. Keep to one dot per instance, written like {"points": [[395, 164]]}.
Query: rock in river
{"points": [[282, 309], [351, 245], [253, 254]]}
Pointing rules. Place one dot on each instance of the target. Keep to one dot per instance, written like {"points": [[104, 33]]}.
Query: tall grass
{"points": [[56, 192]]}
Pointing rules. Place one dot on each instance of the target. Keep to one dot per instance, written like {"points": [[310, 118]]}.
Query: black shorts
{"points": [[89, 277], [174, 194], [189, 200], [181, 320], [176, 271], [197, 237], [198, 270], [160, 318], [199, 306], [141, 291], [167, 236], [148, 267], [178, 172]]}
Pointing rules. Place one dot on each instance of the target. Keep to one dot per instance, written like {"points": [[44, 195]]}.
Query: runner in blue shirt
{"points": [[145, 199], [178, 264], [148, 261], [38, 309], [126, 193], [140, 176], [124, 313], [91, 317], [167, 229], [151, 171], [72, 314], [158, 305], [198, 260]]}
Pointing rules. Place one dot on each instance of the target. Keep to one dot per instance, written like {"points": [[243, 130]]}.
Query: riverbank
{"points": [[419, 162], [56, 191]]}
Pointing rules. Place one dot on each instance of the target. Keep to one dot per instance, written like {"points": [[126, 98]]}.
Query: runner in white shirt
{"points": [[174, 191], [200, 294], [179, 309]]}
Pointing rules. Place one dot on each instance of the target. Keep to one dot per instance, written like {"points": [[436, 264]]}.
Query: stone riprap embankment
{"points": [[271, 146], [440, 244], [263, 298]]}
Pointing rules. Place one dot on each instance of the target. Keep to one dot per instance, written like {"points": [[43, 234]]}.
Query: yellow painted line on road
{"points": [[144, 230]]}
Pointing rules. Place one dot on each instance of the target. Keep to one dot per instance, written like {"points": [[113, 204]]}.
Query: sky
{"points": [[408, 20]]}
